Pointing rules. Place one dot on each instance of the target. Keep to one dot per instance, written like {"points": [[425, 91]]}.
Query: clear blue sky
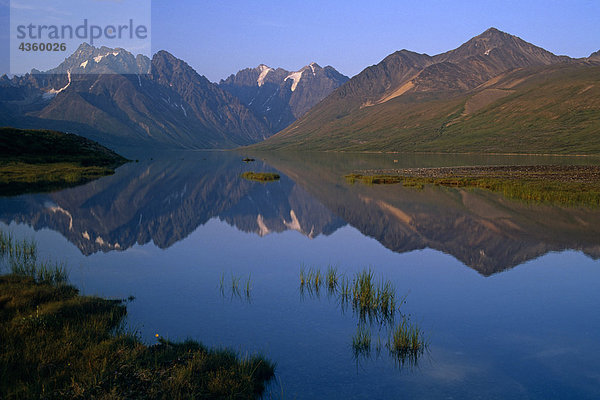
{"points": [[218, 38]]}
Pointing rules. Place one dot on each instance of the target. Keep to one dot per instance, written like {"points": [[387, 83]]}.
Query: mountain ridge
{"points": [[417, 102], [155, 107], [280, 96]]}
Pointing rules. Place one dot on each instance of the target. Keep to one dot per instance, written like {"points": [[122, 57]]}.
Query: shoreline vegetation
{"points": [[58, 344], [560, 185], [33, 161]]}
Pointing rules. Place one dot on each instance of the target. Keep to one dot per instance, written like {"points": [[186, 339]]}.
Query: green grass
{"points": [[540, 191], [57, 344], [568, 186], [374, 302], [20, 258], [373, 179], [260, 176], [19, 178], [332, 278], [372, 299], [313, 279], [369, 298], [361, 342], [345, 291], [237, 287], [406, 342]]}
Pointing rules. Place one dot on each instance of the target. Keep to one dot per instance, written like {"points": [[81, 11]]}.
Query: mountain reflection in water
{"points": [[166, 200]]}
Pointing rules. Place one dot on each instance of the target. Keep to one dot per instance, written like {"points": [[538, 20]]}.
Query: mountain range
{"points": [[494, 93], [120, 100], [280, 96]]}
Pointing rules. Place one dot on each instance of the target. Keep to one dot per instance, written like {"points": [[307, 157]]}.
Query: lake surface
{"points": [[506, 293]]}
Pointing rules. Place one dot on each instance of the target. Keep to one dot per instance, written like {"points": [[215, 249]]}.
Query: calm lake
{"points": [[505, 293]]}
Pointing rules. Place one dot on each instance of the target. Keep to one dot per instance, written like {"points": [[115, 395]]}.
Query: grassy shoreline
{"points": [[34, 161], [20, 178], [57, 344], [569, 186]]}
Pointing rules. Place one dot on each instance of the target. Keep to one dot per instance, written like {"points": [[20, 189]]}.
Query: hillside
{"points": [[495, 93], [39, 161]]}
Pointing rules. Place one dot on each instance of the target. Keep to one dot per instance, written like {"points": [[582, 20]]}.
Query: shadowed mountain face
{"points": [[280, 96], [117, 99], [166, 200]]}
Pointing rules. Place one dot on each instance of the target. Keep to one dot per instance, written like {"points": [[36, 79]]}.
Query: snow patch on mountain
{"points": [[53, 92], [100, 57], [295, 77], [264, 70]]}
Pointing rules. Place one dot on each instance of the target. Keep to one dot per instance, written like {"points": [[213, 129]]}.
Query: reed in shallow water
{"points": [[374, 302]]}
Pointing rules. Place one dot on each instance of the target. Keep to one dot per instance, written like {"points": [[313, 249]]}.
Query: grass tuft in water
{"points": [[332, 278], [373, 302], [20, 258], [248, 287], [237, 287], [361, 342], [406, 342]]}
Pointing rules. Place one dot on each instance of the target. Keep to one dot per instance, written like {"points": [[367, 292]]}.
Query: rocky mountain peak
{"points": [[88, 59], [511, 51], [280, 96]]}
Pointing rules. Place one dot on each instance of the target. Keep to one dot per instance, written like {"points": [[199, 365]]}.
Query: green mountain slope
{"points": [[552, 109], [495, 93]]}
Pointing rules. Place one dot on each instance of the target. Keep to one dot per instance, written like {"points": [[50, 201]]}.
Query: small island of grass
{"points": [[41, 161], [58, 344], [261, 176]]}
